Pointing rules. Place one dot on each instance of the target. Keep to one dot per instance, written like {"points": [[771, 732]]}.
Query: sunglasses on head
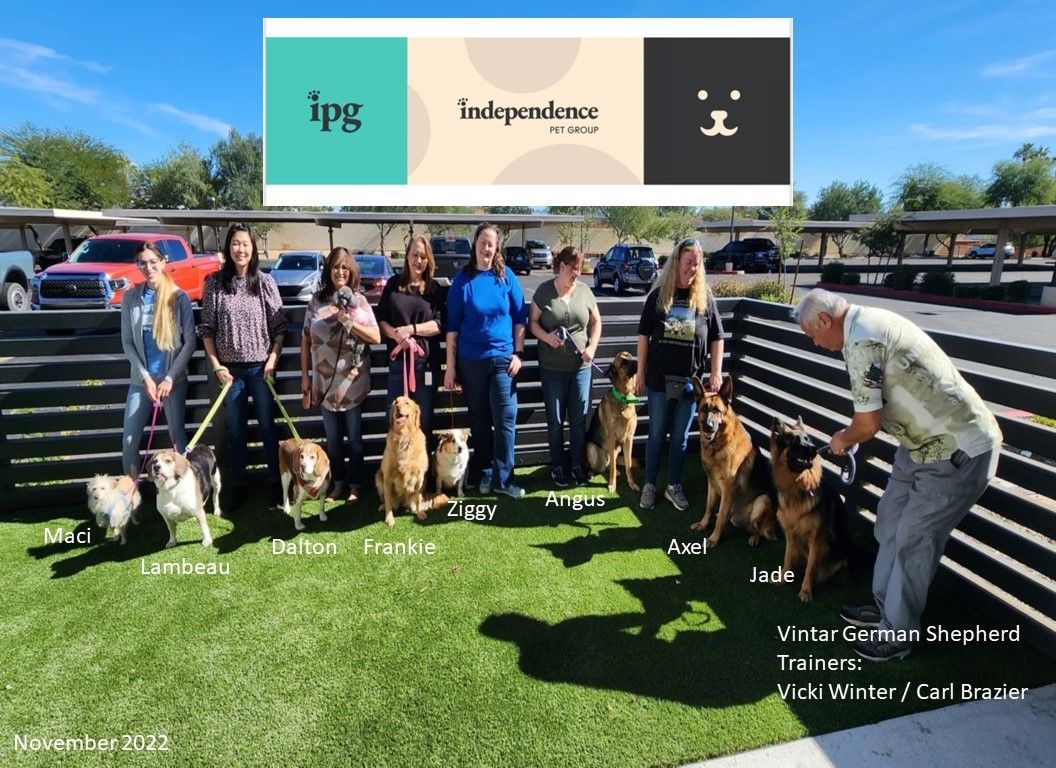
{"points": [[690, 242]]}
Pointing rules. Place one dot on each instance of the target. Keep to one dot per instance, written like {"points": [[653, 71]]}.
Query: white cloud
{"points": [[1018, 66], [31, 52], [17, 77], [998, 133], [201, 122]]}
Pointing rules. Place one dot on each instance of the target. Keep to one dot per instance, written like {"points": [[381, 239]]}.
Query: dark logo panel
{"points": [[717, 111]]}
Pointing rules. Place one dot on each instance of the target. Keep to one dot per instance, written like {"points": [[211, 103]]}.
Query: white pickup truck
{"points": [[16, 271]]}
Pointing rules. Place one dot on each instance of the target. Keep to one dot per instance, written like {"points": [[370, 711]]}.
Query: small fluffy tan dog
{"points": [[452, 459], [184, 484], [305, 466], [401, 478], [113, 501]]}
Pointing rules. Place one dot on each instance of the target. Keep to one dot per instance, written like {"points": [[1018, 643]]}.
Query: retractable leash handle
{"points": [[848, 473], [208, 418]]}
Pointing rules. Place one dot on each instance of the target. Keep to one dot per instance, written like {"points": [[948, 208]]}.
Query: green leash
{"points": [[208, 417], [282, 408]]}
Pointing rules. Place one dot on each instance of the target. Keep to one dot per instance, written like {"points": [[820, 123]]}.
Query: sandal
{"points": [[337, 492], [353, 495]]}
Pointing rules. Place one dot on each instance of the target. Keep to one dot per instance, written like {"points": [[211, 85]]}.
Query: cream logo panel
{"points": [[526, 111]]}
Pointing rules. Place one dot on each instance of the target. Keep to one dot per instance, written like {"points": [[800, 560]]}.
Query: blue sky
{"points": [[879, 86]]}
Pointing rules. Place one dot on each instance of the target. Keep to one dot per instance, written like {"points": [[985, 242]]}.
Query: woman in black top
{"points": [[409, 315], [679, 337]]}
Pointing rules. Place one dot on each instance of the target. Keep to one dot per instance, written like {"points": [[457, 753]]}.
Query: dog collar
{"points": [[623, 399], [313, 489]]}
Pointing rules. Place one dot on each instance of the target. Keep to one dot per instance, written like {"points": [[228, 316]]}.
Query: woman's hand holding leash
{"points": [[164, 389], [450, 382], [152, 389]]}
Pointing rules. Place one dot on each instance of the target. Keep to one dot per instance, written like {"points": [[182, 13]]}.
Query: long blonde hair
{"points": [[698, 289], [164, 329]]}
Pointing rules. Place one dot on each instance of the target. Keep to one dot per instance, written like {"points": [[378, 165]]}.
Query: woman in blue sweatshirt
{"points": [[485, 344]]}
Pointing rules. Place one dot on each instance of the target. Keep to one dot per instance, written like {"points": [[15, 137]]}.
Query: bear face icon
{"points": [[718, 111]]}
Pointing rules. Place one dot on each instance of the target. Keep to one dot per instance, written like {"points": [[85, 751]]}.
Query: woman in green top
{"points": [[565, 319]]}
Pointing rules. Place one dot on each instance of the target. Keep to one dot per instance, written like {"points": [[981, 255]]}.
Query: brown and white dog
{"points": [[184, 484], [401, 478], [113, 501], [306, 466], [612, 426], [452, 459]]}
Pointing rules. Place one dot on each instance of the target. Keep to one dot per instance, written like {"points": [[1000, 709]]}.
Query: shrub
{"points": [[1018, 290], [764, 290], [938, 283], [993, 292], [833, 272], [967, 291], [851, 278], [902, 278]]}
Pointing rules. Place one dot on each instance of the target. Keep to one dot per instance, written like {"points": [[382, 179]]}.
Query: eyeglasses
{"points": [[690, 242], [145, 265]]}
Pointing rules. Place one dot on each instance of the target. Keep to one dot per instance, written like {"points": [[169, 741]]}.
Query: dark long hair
{"points": [[428, 284], [227, 272], [326, 286], [498, 263]]}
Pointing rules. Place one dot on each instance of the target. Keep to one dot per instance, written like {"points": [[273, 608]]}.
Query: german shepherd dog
{"points": [[738, 476], [812, 516], [612, 425]]}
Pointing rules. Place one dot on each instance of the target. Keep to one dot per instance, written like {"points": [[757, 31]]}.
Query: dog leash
{"points": [[282, 408], [566, 338], [150, 440], [410, 352], [208, 418], [847, 474]]}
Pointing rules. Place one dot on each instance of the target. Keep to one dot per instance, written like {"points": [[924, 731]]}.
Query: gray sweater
{"points": [[132, 336]]}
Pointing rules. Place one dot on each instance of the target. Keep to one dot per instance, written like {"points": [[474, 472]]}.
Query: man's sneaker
{"points": [[881, 650], [865, 615], [648, 500], [557, 474], [511, 490], [579, 477], [485, 483], [675, 495]]}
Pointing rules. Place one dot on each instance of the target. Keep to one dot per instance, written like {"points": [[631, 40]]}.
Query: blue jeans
{"points": [[491, 397], [566, 394], [423, 395], [665, 416], [338, 426], [138, 411], [249, 382]]}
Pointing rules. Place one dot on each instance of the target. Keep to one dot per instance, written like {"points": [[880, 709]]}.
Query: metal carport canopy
{"points": [[20, 218]]}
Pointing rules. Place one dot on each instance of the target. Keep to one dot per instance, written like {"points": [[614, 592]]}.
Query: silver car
{"points": [[297, 273]]}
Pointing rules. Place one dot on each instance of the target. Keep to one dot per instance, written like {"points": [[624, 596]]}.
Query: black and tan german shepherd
{"points": [[738, 475], [811, 515], [613, 423]]}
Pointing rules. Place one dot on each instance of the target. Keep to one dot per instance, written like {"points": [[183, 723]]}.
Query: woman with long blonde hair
{"points": [[679, 338], [157, 335]]}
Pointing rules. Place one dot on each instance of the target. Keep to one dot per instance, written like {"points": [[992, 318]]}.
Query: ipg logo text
{"points": [[328, 113]]}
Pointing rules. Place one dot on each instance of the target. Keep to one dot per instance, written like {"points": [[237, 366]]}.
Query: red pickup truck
{"points": [[102, 267]]}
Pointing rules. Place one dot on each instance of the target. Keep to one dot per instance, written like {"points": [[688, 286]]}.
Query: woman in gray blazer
{"points": [[157, 334]]}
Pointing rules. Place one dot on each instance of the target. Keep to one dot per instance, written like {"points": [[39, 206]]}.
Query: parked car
{"points": [[540, 254], [297, 273], [753, 254], [16, 270], [517, 259], [103, 267], [627, 265], [450, 253], [987, 251], [374, 272]]}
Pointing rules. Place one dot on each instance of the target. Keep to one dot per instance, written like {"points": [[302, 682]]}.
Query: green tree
{"points": [[767, 212], [629, 222], [839, 201], [676, 223], [179, 180], [81, 172], [237, 165], [22, 185], [575, 234], [786, 222], [881, 238], [930, 187], [1028, 181]]}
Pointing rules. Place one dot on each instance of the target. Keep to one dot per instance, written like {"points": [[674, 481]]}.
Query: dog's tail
{"points": [[438, 501]]}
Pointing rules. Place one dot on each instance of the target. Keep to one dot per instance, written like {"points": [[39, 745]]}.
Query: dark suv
{"points": [[626, 266], [450, 254], [753, 254], [517, 259]]}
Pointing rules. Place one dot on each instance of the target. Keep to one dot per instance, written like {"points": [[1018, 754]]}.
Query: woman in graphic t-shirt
{"points": [[679, 337]]}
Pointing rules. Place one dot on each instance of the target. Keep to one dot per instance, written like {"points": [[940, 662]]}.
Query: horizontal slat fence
{"points": [[62, 399]]}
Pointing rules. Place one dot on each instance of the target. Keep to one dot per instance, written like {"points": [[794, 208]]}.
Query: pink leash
{"points": [[150, 439], [409, 353]]}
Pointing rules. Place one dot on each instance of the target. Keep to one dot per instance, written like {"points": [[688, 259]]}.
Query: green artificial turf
{"points": [[548, 636]]}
